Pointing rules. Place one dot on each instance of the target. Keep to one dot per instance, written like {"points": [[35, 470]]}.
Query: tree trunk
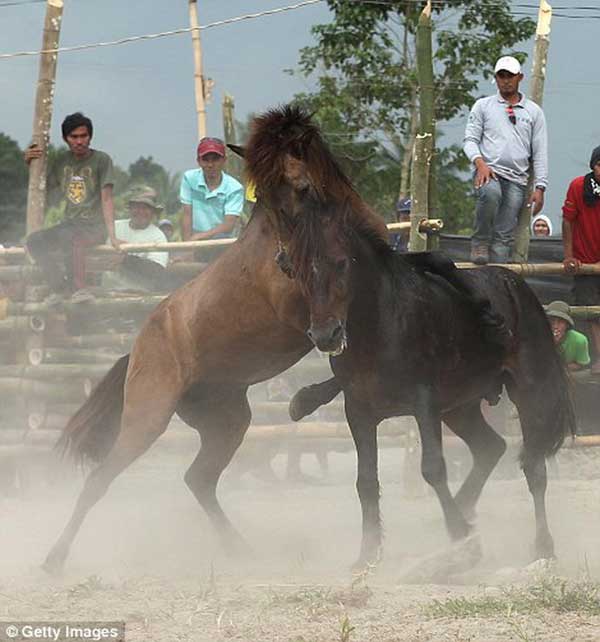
{"points": [[36, 193], [536, 93]]}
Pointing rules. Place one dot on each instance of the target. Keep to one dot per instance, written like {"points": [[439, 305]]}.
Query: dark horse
{"points": [[415, 348], [241, 321]]}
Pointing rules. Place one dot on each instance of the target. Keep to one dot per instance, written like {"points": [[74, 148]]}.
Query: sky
{"points": [[141, 95]]}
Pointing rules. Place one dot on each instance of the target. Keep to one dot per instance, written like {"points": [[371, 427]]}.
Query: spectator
{"points": [[572, 345], [400, 240], [212, 200], [140, 270], [85, 180], [541, 226], [504, 132], [166, 227], [581, 241]]}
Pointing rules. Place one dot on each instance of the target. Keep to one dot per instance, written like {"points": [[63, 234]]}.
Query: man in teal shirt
{"points": [[212, 200], [572, 345]]}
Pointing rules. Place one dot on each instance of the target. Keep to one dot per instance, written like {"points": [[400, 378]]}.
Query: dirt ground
{"points": [[147, 556]]}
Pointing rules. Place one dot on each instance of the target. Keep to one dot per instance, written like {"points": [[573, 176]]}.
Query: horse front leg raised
{"points": [[433, 466], [364, 432], [222, 423]]}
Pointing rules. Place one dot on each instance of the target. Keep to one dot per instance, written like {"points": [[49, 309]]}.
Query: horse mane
{"points": [[289, 130]]}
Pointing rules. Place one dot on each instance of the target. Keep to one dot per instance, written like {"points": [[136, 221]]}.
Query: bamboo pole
{"points": [[536, 93], [420, 191], [42, 117], [91, 341], [427, 98], [232, 165], [199, 84], [57, 391], [535, 269], [174, 246]]}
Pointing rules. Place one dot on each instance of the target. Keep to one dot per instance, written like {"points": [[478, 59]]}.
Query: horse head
{"points": [[323, 264]]}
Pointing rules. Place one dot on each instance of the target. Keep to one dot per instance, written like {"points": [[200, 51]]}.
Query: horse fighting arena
{"points": [[148, 556]]}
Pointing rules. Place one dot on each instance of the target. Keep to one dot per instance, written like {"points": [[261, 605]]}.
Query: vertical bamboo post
{"points": [[536, 93], [198, 73], [425, 140], [232, 166], [427, 97], [420, 190], [36, 192]]}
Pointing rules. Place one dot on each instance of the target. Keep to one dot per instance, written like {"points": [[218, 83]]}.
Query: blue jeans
{"points": [[496, 215]]}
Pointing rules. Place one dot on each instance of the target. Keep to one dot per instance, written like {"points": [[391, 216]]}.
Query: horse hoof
{"points": [[460, 530], [54, 565], [295, 408], [544, 547]]}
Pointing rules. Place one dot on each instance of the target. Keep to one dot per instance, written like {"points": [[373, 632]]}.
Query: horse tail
{"points": [[553, 416], [93, 429]]}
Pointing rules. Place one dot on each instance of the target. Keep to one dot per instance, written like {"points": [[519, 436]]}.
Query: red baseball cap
{"points": [[211, 146]]}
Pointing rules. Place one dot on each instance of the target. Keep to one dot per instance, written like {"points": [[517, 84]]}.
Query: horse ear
{"points": [[237, 149]]}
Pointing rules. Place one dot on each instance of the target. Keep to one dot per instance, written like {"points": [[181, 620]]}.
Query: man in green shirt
{"points": [[84, 179], [572, 345]]}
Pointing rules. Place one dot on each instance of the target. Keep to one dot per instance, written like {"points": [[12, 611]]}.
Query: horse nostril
{"points": [[310, 334], [337, 331]]}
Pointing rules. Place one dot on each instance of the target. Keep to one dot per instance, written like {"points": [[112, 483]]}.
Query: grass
{"points": [[547, 594], [315, 602]]}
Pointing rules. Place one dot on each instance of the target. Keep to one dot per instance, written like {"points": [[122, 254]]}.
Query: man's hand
{"points": [[31, 153], [572, 265], [484, 173], [536, 202]]}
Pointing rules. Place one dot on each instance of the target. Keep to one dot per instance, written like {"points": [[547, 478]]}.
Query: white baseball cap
{"points": [[508, 63]]}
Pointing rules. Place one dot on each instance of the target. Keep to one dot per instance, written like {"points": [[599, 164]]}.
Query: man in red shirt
{"points": [[581, 240]]}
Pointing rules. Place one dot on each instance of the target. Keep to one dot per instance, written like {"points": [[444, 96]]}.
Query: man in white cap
{"points": [[504, 133]]}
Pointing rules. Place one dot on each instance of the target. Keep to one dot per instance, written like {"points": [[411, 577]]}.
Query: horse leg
{"points": [[142, 422], [433, 466], [364, 432], [222, 424], [533, 461], [309, 398], [486, 446]]}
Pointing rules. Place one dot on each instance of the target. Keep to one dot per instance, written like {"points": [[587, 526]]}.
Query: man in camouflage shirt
{"points": [[84, 179]]}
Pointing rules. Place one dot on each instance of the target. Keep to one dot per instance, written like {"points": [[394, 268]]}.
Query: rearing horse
{"points": [[241, 321]]}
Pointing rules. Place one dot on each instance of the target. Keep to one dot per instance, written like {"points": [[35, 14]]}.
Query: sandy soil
{"points": [[147, 556]]}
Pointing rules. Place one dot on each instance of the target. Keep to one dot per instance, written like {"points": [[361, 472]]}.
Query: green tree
{"points": [[364, 60], [13, 190], [146, 171]]}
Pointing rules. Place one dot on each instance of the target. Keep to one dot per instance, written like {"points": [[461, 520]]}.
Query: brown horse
{"points": [[241, 321], [415, 348]]}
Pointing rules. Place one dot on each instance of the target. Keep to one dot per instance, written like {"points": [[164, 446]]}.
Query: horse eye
{"points": [[341, 266]]}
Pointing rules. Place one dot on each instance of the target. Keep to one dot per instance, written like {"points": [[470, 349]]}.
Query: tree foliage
{"points": [[13, 190], [364, 63]]}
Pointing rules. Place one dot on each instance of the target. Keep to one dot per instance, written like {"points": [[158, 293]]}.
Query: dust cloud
{"points": [[148, 555]]}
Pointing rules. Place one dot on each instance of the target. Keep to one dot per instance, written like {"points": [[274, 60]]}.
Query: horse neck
{"points": [[259, 245], [380, 285]]}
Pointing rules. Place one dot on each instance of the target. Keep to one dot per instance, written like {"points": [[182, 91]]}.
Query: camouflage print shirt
{"points": [[80, 183]]}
